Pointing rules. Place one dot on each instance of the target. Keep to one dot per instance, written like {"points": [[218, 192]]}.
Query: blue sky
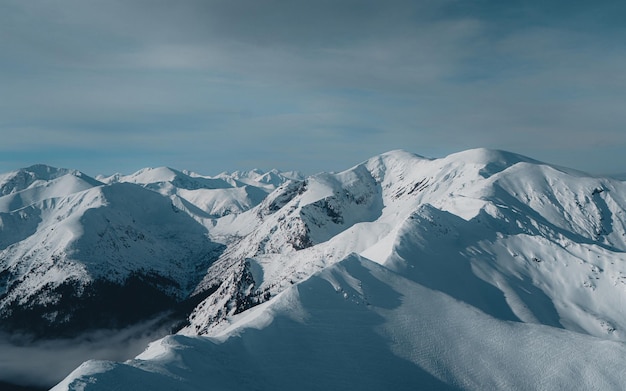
{"points": [[213, 85]]}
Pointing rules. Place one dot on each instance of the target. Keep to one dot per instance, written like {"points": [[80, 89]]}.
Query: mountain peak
{"points": [[24, 178], [487, 156], [45, 172], [401, 154], [488, 241], [154, 174], [397, 162]]}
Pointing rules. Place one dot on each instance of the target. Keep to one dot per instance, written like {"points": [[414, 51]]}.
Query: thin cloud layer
{"points": [[49, 361], [183, 82]]}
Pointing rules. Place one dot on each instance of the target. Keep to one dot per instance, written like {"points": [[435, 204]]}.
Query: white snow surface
{"points": [[205, 197], [21, 188], [480, 270], [59, 226], [358, 325], [69, 228], [517, 238]]}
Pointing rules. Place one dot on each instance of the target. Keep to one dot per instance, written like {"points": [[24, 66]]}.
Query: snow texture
{"points": [[480, 270], [358, 325]]}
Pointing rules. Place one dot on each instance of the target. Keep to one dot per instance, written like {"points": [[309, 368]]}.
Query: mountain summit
{"points": [[480, 270]]}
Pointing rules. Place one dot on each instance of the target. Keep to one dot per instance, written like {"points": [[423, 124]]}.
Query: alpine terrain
{"points": [[480, 270]]}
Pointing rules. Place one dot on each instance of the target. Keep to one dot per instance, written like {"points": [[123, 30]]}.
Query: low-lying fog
{"points": [[43, 363]]}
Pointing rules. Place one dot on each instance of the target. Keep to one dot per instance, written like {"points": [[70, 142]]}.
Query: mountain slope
{"points": [[21, 188], [480, 270], [518, 239], [357, 325], [207, 198], [71, 259]]}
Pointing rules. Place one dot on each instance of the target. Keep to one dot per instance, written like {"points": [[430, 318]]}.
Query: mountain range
{"points": [[480, 270]]}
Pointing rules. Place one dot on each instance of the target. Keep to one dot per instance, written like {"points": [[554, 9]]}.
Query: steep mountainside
{"points": [[21, 188], [480, 270], [207, 198], [80, 255], [516, 238], [358, 325]]}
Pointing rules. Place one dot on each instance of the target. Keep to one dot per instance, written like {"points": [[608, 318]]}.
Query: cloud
{"points": [[43, 363], [439, 76]]}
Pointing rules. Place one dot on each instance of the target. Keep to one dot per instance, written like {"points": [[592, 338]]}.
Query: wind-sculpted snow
{"points": [[358, 325], [41, 176], [18, 225], [480, 270], [479, 225], [207, 198], [63, 253], [22, 188]]}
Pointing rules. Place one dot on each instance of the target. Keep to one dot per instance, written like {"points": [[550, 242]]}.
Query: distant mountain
{"points": [[480, 270], [78, 254], [204, 197], [21, 188]]}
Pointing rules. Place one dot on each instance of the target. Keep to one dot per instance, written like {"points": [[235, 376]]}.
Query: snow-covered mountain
{"points": [[517, 239], [71, 247], [481, 270], [76, 254], [206, 198], [357, 325]]}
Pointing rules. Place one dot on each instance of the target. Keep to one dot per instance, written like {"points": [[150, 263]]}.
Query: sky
{"points": [[108, 86]]}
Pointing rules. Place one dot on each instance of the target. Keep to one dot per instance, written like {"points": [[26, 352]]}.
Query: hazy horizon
{"points": [[209, 86]]}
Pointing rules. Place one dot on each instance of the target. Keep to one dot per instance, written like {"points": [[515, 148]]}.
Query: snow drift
{"points": [[480, 270]]}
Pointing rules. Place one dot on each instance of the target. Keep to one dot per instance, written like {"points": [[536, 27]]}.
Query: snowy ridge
{"points": [[37, 175], [357, 325], [206, 198], [490, 217], [304, 226], [480, 270], [62, 250], [27, 186], [65, 236]]}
